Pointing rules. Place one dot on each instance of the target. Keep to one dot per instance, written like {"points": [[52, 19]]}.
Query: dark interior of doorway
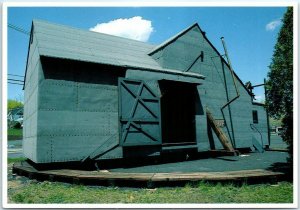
{"points": [[178, 109]]}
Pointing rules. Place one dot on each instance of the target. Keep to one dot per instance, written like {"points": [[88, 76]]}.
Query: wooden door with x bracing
{"points": [[139, 113]]}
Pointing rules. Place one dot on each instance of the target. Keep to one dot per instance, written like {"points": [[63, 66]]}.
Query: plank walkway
{"points": [[106, 178], [277, 149]]}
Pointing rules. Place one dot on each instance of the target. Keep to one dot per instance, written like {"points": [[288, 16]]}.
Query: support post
{"points": [[267, 112], [221, 135]]}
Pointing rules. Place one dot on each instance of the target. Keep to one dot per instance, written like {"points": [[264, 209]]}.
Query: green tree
{"points": [[280, 80], [12, 104]]}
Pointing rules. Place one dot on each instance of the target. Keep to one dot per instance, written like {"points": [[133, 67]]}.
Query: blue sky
{"points": [[250, 32]]}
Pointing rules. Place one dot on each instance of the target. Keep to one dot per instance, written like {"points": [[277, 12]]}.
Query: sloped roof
{"points": [[178, 35], [70, 43], [172, 39]]}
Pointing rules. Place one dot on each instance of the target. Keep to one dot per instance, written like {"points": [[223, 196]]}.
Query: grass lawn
{"points": [[14, 134], [54, 192], [13, 160], [23, 190]]}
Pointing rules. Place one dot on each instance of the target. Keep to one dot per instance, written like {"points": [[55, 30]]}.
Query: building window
{"points": [[255, 116]]}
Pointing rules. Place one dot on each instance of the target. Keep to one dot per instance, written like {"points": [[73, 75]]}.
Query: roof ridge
{"points": [[173, 38], [89, 31]]}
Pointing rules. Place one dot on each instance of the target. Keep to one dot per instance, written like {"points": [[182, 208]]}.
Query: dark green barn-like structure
{"points": [[95, 96]]}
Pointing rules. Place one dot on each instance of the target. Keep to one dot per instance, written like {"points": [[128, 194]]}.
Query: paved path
{"points": [[276, 142], [14, 149]]}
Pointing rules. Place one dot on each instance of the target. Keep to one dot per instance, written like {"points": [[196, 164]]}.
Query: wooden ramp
{"points": [[107, 178]]}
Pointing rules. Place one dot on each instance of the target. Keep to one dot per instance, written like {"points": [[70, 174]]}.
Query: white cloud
{"points": [[135, 28], [273, 24]]}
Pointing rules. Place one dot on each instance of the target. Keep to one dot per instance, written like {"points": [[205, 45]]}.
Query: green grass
{"points": [[14, 132], [53, 192], [14, 160]]}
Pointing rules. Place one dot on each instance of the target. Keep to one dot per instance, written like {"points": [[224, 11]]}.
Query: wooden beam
{"points": [[125, 178], [219, 132]]}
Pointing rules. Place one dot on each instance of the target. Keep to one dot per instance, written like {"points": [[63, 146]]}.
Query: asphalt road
{"points": [[14, 149], [277, 143]]}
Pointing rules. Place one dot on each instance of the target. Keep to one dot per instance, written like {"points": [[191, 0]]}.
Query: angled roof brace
{"points": [[199, 56], [236, 89]]}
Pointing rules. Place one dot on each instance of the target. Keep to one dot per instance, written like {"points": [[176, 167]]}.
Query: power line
{"points": [[15, 80], [18, 29], [15, 75], [15, 83]]}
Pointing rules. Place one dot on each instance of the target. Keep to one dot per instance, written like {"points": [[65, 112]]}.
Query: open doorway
{"points": [[178, 110]]}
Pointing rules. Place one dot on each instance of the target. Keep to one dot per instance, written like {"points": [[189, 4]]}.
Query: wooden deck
{"points": [[277, 149], [106, 178]]}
